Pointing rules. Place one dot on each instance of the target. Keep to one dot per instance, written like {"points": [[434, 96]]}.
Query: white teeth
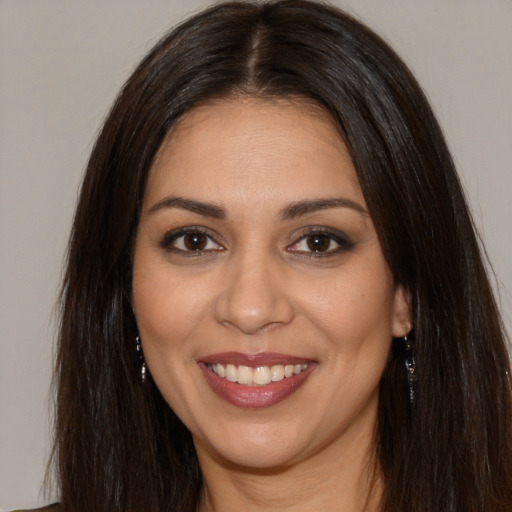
{"points": [[259, 376], [219, 370], [288, 370], [231, 373], [244, 375], [277, 372]]}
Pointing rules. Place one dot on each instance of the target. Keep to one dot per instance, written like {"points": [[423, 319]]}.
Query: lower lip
{"points": [[255, 397]]}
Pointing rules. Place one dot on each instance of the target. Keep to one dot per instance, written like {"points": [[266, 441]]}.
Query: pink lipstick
{"points": [[255, 380]]}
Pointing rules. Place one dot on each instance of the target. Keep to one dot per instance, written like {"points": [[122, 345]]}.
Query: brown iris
{"points": [[318, 242], [195, 241]]}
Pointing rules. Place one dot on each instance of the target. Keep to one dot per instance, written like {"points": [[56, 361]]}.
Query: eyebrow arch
{"points": [[300, 208], [199, 207]]}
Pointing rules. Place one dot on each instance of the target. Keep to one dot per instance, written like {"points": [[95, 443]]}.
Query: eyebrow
{"points": [[301, 208], [199, 207], [291, 211]]}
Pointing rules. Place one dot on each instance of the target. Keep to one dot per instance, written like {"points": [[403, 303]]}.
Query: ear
{"points": [[401, 322]]}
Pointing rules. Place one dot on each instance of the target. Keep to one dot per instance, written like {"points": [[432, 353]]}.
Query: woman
{"points": [[275, 297]]}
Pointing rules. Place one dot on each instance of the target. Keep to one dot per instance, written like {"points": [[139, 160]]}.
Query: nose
{"points": [[254, 296]]}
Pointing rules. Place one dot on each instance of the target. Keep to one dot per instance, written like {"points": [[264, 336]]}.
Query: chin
{"points": [[261, 447]]}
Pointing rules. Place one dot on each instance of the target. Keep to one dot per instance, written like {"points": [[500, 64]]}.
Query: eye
{"points": [[191, 240], [321, 243]]}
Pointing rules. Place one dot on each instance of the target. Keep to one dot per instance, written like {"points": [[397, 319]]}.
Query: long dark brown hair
{"points": [[119, 446]]}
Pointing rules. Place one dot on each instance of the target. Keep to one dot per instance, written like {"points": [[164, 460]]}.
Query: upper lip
{"points": [[253, 360]]}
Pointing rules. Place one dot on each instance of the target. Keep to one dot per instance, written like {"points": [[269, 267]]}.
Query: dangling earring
{"points": [[410, 370], [143, 368]]}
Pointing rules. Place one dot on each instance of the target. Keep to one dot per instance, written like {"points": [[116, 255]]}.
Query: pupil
{"points": [[318, 243], [195, 241]]}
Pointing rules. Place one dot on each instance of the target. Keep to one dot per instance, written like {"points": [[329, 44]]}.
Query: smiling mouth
{"points": [[258, 376], [255, 380]]}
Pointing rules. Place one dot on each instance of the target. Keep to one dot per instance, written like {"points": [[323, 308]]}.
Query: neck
{"points": [[336, 478]]}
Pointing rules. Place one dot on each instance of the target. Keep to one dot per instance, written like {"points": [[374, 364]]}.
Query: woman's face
{"points": [[264, 303]]}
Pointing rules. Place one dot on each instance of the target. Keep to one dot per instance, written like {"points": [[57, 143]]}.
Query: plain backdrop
{"points": [[61, 65]]}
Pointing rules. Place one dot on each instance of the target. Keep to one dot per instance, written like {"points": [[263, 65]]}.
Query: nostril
{"points": [[253, 303]]}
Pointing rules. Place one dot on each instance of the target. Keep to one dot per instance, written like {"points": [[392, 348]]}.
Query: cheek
{"points": [[353, 309], [168, 306]]}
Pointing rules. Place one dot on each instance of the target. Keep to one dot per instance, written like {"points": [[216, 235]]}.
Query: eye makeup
{"points": [[320, 242], [313, 242], [190, 241]]}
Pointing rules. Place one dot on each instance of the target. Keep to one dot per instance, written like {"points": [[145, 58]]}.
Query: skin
{"points": [[257, 286]]}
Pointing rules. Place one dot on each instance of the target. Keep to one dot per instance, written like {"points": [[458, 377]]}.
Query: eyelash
{"points": [[170, 239], [344, 243]]}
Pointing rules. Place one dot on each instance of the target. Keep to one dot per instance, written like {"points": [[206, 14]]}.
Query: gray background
{"points": [[61, 64]]}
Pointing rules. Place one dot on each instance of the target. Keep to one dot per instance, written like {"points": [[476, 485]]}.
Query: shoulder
{"points": [[49, 508]]}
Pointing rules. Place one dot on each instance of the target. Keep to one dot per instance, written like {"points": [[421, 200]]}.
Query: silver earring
{"points": [[410, 370], [143, 368]]}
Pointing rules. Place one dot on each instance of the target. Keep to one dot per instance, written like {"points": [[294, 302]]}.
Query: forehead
{"points": [[250, 148]]}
